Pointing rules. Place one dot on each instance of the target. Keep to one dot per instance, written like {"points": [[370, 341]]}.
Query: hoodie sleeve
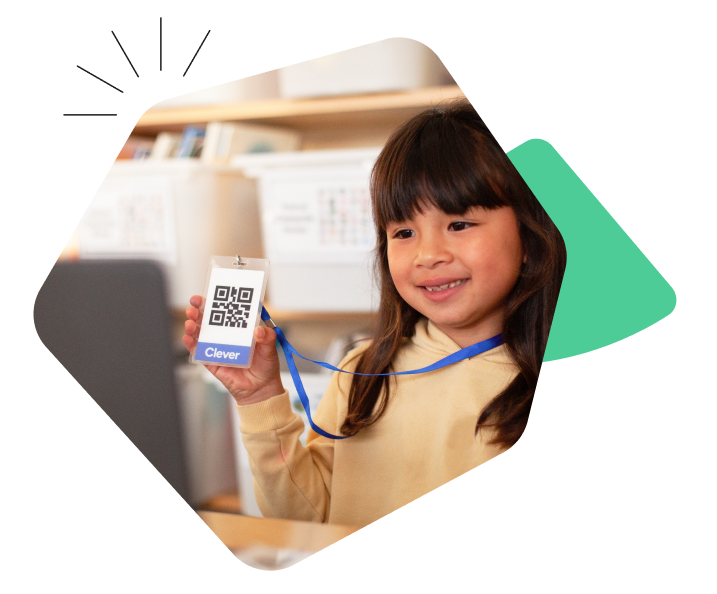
{"points": [[292, 481]]}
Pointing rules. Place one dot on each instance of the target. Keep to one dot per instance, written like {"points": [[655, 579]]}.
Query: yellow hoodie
{"points": [[424, 439]]}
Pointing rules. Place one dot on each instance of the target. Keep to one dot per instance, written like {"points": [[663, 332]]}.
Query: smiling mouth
{"points": [[446, 286]]}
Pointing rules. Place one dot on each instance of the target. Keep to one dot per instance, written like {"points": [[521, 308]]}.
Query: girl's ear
{"points": [[525, 258]]}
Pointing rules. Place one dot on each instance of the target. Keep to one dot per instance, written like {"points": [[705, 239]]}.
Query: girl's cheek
{"points": [[393, 270], [396, 260]]}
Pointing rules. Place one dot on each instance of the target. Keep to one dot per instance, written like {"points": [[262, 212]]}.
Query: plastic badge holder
{"points": [[233, 299]]}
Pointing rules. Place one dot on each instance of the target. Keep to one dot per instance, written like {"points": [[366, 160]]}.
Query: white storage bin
{"points": [[178, 212], [388, 65], [317, 228]]}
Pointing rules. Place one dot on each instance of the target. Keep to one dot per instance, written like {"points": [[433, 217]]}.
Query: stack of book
{"points": [[166, 146], [215, 144], [223, 140], [191, 143]]}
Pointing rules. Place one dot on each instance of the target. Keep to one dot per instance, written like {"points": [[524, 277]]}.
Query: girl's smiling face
{"points": [[457, 270]]}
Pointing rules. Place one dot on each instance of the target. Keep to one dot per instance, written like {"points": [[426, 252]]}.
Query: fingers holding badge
{"points": [[223, 331], [192, 325]]}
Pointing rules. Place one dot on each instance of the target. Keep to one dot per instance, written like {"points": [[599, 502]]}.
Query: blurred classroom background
{"points": [[274, 166]]}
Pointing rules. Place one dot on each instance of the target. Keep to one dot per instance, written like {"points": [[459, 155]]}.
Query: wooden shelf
{"points": [[327, 122], [385, 107], [294, 109]]}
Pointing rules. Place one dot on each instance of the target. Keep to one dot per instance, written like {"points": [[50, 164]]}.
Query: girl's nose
{"points": [[432, 251]]}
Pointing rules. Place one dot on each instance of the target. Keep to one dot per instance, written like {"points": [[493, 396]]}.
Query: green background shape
{"points": [[638, 304]]}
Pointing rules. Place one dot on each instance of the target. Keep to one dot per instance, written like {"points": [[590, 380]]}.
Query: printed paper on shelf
{"points": [[330, 220], [125, 220]]}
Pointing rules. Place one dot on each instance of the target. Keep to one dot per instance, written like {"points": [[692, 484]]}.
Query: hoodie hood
{"points": [[434, 342]]}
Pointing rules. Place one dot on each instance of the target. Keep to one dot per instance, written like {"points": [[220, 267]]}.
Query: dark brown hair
{"points": [[446, 157]]}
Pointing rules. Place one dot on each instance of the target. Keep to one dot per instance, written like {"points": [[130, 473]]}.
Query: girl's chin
{"points": [[449, 322]]}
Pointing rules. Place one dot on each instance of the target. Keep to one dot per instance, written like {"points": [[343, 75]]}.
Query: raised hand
{"points": [[259, 382]]}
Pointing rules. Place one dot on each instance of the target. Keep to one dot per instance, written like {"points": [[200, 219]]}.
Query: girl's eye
{"points": [[459, 226], [403, 234]]}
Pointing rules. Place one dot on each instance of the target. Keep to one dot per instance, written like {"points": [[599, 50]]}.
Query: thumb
{"points": [[266, 359], [265, 343], [264, 335]]}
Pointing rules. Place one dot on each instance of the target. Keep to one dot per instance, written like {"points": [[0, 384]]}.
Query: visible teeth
{"points": [[447, 286]]}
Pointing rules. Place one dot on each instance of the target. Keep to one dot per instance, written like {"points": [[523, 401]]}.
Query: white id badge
{"points": [[233, 298]]}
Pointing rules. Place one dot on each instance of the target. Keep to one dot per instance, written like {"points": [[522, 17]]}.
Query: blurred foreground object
{"points": [[49, 472]]}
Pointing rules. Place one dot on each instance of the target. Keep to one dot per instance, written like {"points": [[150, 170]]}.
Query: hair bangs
{"points": [[435, 166]]}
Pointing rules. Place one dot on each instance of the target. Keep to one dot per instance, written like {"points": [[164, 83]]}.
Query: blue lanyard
{"points": [[289, 352]]}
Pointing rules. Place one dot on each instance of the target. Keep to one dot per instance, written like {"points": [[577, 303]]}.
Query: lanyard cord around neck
{"points": [[289, 352]]}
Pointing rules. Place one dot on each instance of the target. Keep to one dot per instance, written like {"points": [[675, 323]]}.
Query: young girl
{"points": [[464, 252]]}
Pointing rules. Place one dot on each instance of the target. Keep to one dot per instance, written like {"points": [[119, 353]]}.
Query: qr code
{"points": [[230, 306]]}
